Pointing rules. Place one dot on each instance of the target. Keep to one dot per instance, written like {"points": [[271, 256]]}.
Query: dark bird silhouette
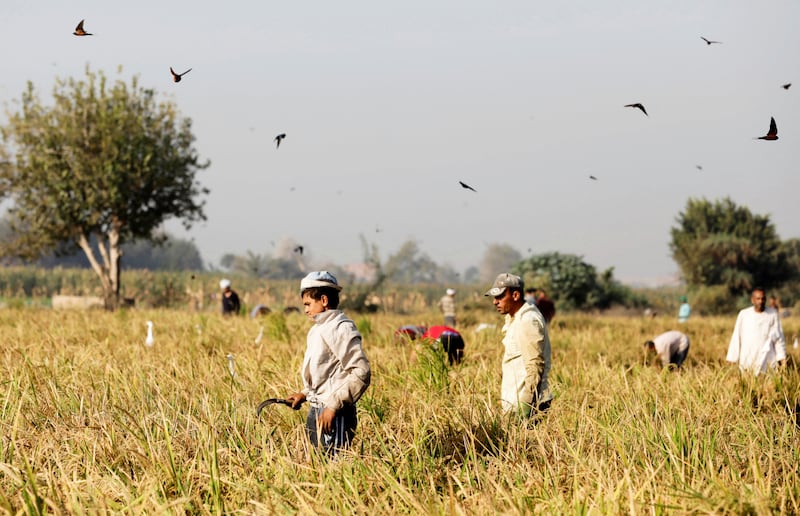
{"points": [[772, 134], [177, 76], [593, 178], [638, 106], [709, 42], [465, 185], [279, 139], [699, 167], [80, 32], [787, 86], [298, 249]]}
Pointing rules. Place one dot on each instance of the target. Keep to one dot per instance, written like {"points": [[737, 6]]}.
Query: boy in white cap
{"points": [[335, 369], [230, 299]]}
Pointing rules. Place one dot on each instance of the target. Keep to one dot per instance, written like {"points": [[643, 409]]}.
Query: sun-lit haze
{"points": [[386, 106]]}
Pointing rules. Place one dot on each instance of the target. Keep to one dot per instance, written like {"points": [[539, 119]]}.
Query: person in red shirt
{"points": [[545, 305]]}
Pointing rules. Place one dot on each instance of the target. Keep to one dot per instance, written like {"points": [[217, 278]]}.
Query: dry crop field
{"points": [[94, 421]]}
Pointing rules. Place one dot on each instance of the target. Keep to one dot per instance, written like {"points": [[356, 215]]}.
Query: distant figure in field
{"points": [[230, 299], [409, 332], [526, 360], [530, 296], [451, 340], [259, 310], [447, 304], [757, 343], [684, 311], [775, 302], [670, 348], [545, 305]]}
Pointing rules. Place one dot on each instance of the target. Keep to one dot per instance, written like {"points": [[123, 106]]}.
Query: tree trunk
{"points": [[115, 256], [108, 271]]}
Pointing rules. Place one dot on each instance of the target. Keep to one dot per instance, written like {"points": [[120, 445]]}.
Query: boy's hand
{"points": [[297, 399], [325, 420]]}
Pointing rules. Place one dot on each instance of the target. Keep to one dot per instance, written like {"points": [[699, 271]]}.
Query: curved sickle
{"points": [[271, 401]]}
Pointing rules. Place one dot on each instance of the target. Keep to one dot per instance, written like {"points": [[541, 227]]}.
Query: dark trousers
{"points": [[344, 429]]}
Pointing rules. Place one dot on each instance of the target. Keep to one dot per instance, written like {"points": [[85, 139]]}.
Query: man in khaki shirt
{"points": [[526, 361]]}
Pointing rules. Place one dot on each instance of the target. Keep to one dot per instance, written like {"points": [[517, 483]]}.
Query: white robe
{"points": [[757, 342]]}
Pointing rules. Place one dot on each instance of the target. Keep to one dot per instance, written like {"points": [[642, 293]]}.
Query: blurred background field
{"points": [[95, 421]]}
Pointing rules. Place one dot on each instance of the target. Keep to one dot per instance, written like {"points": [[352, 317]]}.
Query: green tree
{"points": [[721, 244], [567, 279], [574, 284], [107, 161]]}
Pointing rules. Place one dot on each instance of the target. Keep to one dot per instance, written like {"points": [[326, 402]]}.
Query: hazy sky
{"points": [[387, 105]]}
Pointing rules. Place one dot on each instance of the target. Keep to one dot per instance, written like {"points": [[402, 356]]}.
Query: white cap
{"points": [[224, 283], [319, 279], [450, 292]]}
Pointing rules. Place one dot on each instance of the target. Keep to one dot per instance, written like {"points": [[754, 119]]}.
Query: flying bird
{"points": [[80, 32], [772, 134], [699, 167], [787, 86], [593, 178], [466, 186], [709, 41], [638, 106], [279, 139], [298, 249], [149, 340], [176, 77], [231, 367]]}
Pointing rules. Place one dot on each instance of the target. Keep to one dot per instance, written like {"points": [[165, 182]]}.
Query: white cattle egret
{"points": [[795, 344], [231, 367], [259, 336], [149, 340]]}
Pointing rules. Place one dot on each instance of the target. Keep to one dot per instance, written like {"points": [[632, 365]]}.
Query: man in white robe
{"points": [[757, 343]]}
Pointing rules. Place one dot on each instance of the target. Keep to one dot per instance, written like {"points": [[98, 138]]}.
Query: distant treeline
{"points": [[199, 291]]}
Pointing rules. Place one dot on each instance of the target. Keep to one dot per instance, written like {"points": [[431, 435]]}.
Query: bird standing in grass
{"points": [[231, 366], [260, 336], [149, 340]]}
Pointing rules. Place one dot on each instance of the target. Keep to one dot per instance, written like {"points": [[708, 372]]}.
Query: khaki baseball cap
{"points": [[502, 282]]}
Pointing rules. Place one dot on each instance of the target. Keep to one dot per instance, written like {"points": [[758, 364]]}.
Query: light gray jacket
{"points": [[335, 370]]}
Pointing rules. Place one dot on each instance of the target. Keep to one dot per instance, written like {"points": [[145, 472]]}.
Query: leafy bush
{"points": [[574, 284]]}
